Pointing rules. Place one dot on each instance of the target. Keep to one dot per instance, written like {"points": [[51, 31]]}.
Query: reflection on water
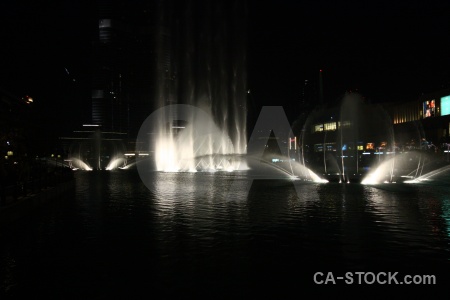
{"points": [[446, 214], [115, 236]]}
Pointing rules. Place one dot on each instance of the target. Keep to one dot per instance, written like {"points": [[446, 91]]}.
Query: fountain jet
{"points": [[201, 61]]}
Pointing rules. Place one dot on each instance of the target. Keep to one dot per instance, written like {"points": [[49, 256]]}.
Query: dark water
{"points": [[115, 237]]}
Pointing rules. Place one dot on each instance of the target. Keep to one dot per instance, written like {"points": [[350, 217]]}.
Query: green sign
{"points": [[445, 105]]}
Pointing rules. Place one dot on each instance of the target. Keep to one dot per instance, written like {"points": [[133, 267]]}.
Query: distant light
{"points": [[320, 70], [90, 125], [28, 99], [10, 153]]}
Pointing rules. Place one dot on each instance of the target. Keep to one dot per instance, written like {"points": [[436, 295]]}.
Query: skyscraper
{"points": [[122, 82], [122, 65]]}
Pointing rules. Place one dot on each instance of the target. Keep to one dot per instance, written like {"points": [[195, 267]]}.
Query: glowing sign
{"points": [[429, 108], [445, 105]]}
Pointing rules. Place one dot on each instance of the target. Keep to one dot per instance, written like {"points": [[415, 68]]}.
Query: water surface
{"points": [[185, 236]]}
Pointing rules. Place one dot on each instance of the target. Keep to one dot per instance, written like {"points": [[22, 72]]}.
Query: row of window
{"points": [[330, 126], [348, 146]]}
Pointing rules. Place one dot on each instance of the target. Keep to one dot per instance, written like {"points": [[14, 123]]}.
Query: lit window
{"points": [[329, 126], [104, 23], [344, 124], [318, 128], [330, 147], [318, 147], [369, 146]]}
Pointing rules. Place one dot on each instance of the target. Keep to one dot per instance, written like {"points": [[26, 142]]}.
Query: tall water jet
{"points": [[201, 61], [362, 123]]}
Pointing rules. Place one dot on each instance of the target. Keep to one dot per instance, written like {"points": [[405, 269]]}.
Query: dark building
{"points": [[310, 98], [122, 65], [429, 115]]}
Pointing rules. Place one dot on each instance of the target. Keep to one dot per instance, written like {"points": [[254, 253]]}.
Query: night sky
{"points": [[388, 51]]}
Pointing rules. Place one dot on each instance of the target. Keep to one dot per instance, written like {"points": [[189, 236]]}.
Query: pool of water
{"points": [[206, 234]]}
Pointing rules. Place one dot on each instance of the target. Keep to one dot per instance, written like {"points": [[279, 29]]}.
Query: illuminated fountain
{"points": [[201, 89], [355, 141], [97, 151], [199, 145], [205, 67], [195, 67]]}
